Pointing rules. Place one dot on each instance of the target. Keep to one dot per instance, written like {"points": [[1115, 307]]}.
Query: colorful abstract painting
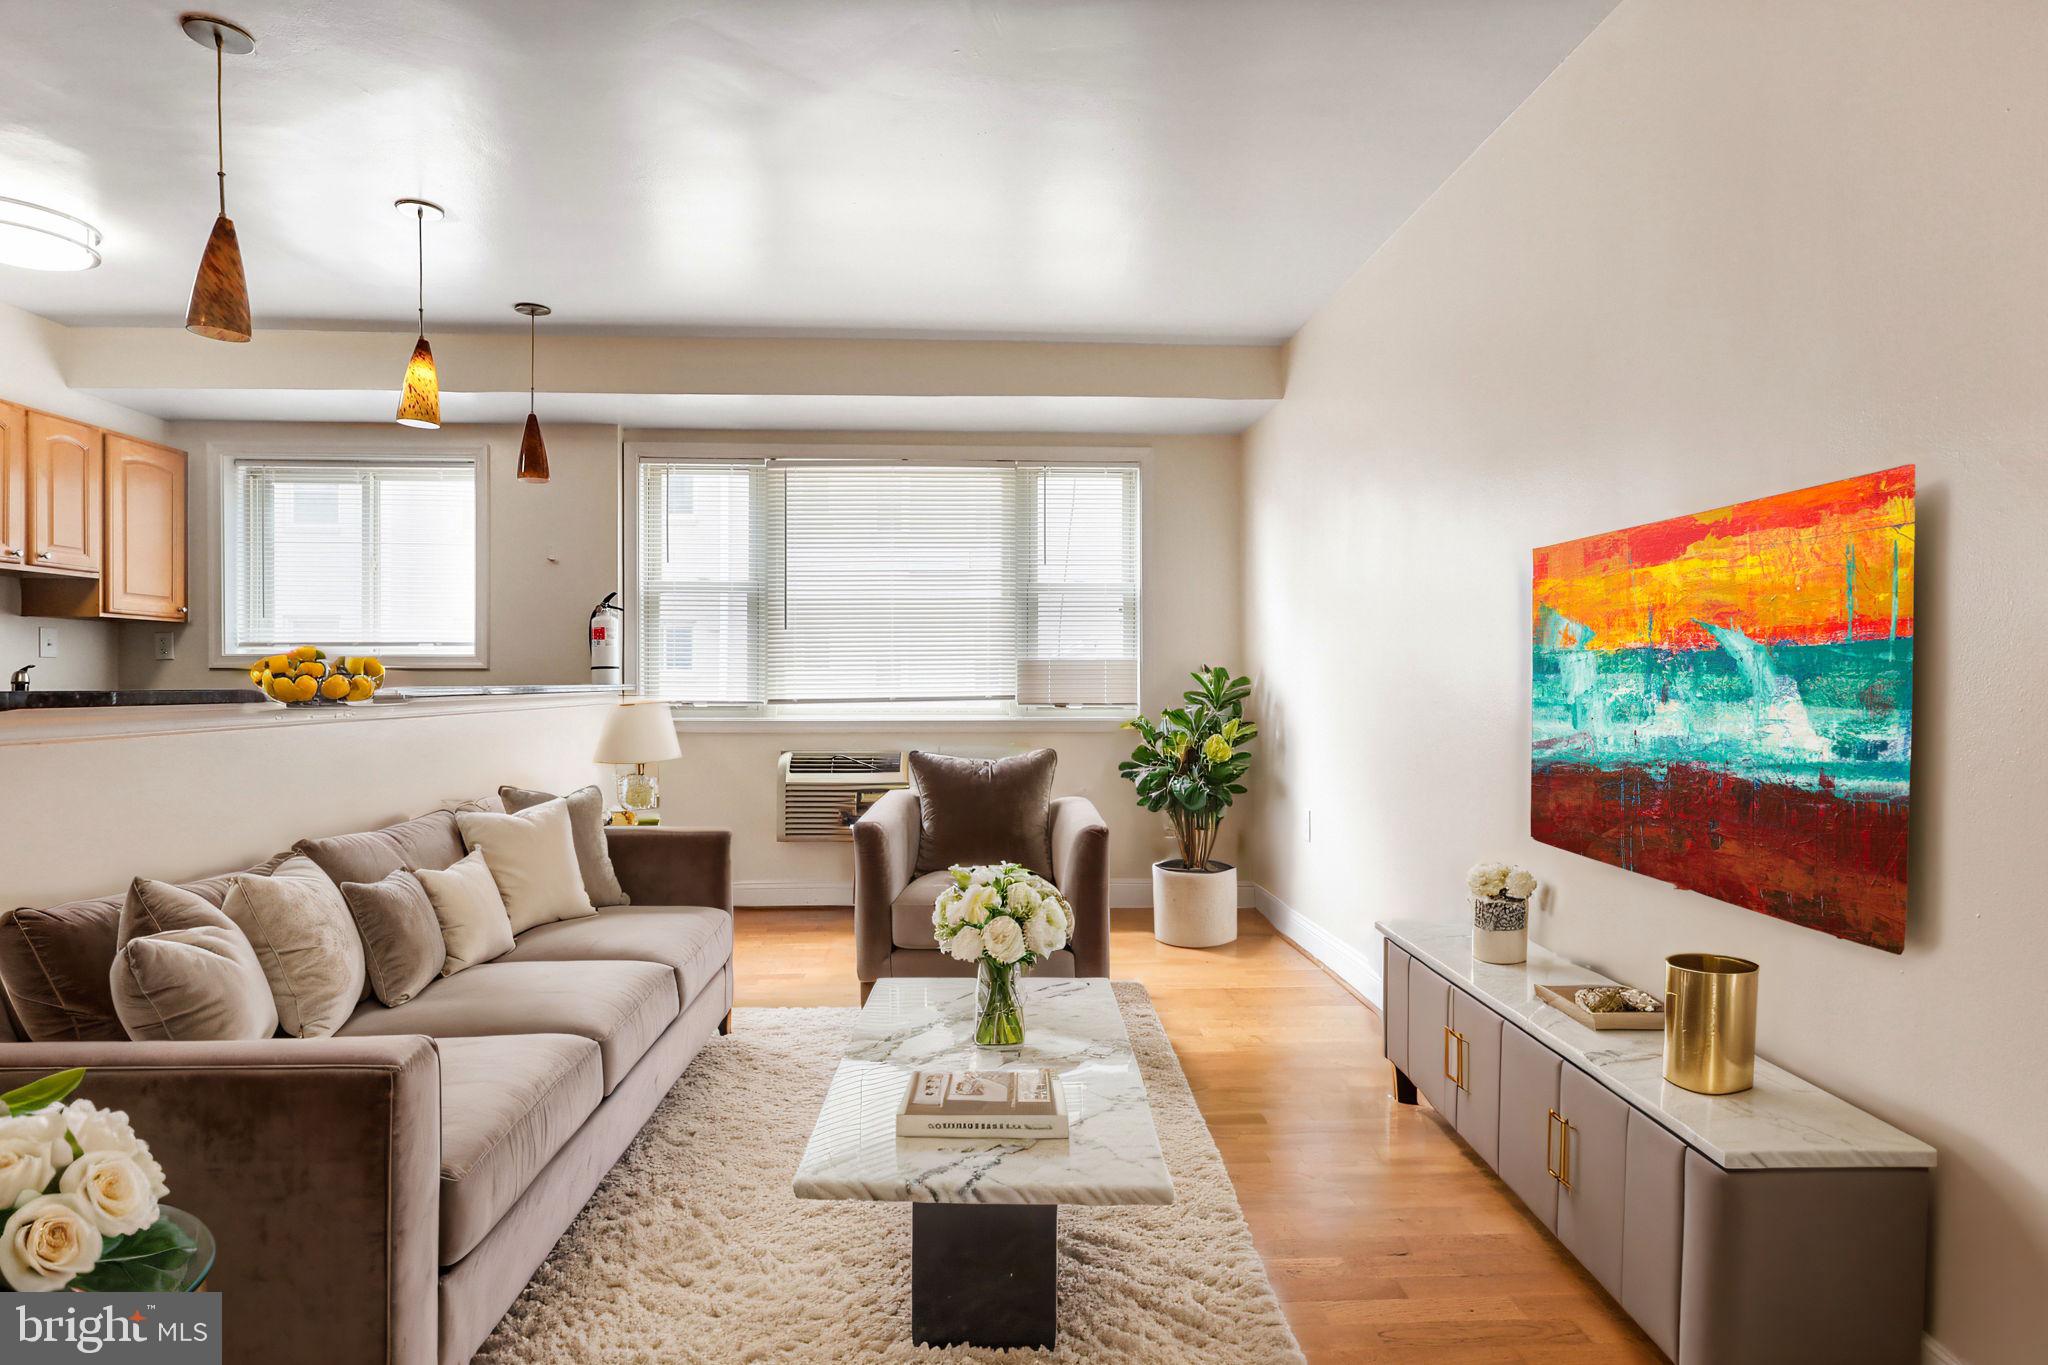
{"points": [[1725, 702]]}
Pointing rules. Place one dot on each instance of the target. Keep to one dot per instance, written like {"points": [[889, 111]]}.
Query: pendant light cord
{"points": [[220, 135], [420, 231], [532, 356]]}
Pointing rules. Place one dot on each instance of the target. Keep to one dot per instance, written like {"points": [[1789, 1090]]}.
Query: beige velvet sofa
{"points": [[384, 1195]]}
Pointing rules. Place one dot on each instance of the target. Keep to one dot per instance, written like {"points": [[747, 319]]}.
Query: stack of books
{"points": [[1021, 1105]]}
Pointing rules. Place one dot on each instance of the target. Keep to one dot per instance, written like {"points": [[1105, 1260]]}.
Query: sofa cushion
{"points": [[978, 810], [429, 840], [197, 985], [306, 940], [402, 947], [532, 857], [593, 853], [621, 1006], [471, 913], [507, 1106], [693, 940], [55, 962], [910, 914]]}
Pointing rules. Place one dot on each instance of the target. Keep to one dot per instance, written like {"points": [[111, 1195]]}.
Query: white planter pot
{"points": [[1502, 947], [1194, 909]]}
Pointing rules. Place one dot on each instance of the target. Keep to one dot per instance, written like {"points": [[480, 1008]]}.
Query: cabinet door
{"points": [[145, 548], [1528, 1095], [1429, 1016], [63, 495], [13, 485], [1594, 1167], [1394, 995], [1653, 1231], [1479, 1072]]}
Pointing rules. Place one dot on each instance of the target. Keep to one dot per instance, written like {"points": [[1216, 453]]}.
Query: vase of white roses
{"points": [[1500, 912], [83, 1199], [1004, 919]]}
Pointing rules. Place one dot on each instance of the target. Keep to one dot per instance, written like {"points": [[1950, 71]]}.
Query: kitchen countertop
{"points": [[1782, 1121], [118, 714]]}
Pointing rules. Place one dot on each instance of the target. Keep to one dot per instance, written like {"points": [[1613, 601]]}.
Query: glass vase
{"points": [[998, 1005]]}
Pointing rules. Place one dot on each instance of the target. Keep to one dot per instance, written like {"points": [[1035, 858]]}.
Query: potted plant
{"points": [[1500, 912], [1191, 765]]}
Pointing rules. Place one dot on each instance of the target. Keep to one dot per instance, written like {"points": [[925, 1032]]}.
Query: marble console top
{"points": [[1782, 1122], [1073, 1026]]}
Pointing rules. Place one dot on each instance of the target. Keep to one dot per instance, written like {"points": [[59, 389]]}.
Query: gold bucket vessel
{"points": [[1710, 1022]]}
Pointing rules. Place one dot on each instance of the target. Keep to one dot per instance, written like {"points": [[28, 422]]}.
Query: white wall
{"points": [[1732, 247], [31, 374], [554, 548], [1190, 576]]}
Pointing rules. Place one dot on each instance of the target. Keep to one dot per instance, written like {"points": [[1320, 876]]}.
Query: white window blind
{"points": [[796, 583], [376, 556]]}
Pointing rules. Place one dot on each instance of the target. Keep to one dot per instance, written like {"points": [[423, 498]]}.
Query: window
{"points": [[796, 583], [372, 555]]}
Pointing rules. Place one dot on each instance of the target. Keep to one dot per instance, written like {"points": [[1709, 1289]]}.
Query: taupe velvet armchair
{"points": [[892, 902]]}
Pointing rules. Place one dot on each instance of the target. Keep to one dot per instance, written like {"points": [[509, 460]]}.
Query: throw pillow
{"points": [[192, 985], [306, 940], [978, 810], [471, 913], [402, 946], [159, 908], [532, 856], [586, 822]]}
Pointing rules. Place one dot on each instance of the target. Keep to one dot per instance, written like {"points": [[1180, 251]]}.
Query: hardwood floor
{"points": [[1387, 1240]]}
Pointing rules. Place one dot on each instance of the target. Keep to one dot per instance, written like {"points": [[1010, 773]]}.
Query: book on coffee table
{"points": [[1026, 1105]]}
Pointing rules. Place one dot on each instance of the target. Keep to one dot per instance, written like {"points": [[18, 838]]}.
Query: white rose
{"points": [[1521, 885], [979, 902], [100, 1130], [47, 1243], [145, 1160], [113, 1190], [1003, 940], [1487, 879], [1023, 900], [45, 1127], [966, 944], [980, 876], [1043, 936], [25, 1169], [1055, 908], [942, 908]]}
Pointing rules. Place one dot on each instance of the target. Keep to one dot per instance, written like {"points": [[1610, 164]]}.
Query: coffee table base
{"points": [[984, 1274]]}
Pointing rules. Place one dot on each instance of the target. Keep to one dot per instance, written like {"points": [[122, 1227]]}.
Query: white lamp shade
{"points": [[638, 732]]}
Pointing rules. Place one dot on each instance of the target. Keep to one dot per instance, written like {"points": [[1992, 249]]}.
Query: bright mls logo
{"points": [[164, 1329]]}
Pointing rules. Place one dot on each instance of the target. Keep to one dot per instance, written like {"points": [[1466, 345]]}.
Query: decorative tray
{"points": [[1561, 996]]}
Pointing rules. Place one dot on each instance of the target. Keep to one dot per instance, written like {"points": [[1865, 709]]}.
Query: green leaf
{"points": [[150, 1261], [39, 1094]]}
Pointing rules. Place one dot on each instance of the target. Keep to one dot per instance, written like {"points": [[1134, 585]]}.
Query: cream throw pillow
{"points": [[472, 913], [532, 856], [306, 940], [198, 985]]}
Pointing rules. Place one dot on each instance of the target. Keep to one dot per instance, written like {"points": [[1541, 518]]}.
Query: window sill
{"points": [[935, 722]]}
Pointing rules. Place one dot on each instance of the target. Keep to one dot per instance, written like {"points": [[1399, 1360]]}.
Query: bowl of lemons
{"points": [[307, 677]]}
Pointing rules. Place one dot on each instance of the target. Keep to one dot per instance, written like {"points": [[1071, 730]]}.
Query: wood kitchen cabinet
{"points": [[13, 485], [139, 551], [65, 476]]}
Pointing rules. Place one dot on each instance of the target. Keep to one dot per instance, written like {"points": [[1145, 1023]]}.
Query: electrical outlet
{"points": [[166, 645], [46, 642]]}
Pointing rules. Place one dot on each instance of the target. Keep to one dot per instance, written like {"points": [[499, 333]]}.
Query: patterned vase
{"points": [[1500, 930], [998, 1005]]}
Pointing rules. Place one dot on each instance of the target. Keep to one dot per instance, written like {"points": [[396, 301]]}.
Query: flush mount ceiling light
{"points": [[220, 295], [533, 451], [36, 238], [419, 403]]}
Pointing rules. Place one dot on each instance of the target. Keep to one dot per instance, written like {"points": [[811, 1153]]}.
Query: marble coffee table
{"points": [[984, 1214]]}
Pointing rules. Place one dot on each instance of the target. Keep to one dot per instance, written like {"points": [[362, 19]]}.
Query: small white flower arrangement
{"points": [[1500, 895], [82, 1195], [1002, 913]]}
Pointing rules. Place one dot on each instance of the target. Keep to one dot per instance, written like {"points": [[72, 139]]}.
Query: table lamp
{"points": [[639, 733]]}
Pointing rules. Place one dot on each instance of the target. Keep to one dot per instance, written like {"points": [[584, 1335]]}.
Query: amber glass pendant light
{"points": [[533, 451], [419, 402], [220, 294]]}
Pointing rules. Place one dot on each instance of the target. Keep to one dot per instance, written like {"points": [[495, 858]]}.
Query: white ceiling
{"points": [[1112, 169]]}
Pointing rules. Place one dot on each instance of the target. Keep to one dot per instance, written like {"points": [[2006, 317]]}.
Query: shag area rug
{"points": [[694, 1249]]}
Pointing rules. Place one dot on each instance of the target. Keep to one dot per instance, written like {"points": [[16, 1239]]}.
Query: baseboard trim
{"points": [[792, 893], [1355, 969], [1933, 1352]]}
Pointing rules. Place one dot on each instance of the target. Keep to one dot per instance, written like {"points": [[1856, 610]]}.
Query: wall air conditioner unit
{"points": [[824, 793], [1077, 682]]}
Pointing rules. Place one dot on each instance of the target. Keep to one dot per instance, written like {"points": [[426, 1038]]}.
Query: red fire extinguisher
{"points": [[605, 624]]}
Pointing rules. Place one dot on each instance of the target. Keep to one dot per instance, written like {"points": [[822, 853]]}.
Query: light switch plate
{"points": [[166, 645], [46, 642]]}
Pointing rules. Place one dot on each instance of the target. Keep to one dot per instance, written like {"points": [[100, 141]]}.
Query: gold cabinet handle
{"points": [[1564, 1152], [1464, 1060], [1449, 1036], [1549, 1164]]}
